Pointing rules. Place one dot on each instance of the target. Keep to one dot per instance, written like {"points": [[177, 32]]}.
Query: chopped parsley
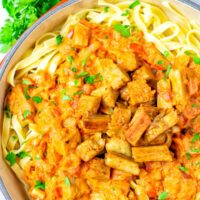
{"points": [[74, 69], [39, 185], [166, 54], [194, 150], [163, 195], [66, 97], [167, 72], [75, 82], [7, 111], [84, 62], [92, 78], [67, 182], [160, 62], [11, 158], [26, 82], [184, 169], [59, 39], [134, 4], [37, 99], [78, 92], [196, 60], [195, 138], [106, 9], [26, 93], [188, 53], [126, 13], [22, 154], [26, 113], [82, 74], [194, 105], [70, 59], [124, 30], [188, 155]]}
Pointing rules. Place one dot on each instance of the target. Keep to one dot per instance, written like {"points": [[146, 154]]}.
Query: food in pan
{"points": [[108, 107]]}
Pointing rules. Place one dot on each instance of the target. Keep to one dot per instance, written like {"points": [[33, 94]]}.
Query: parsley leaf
{"points": [[82, 74], [74, 69], [11, 158], [84, 62], [26, 82], [167, 71], [26, 93], [59, 39], [39, 185], [126, 13], [106, 9], [135, 3], [70, 59], [195, 138], [166, 54], [194, 150], [124, 30], [91, 79], [78, 92], [22, 154], [184, 169], [194, 105], [188, 156], [7, 111], [196, 60], [67, 182], [26, 113], [189, 53], [66, 97], [37, 99], [160, 62], [163, 195]]}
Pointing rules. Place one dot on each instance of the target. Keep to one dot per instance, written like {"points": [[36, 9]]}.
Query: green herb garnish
{"points": [[67, 182], [75, 82], [59, 39], [196, 60], [134, 4], [26, 93], [106, 9], [189, 53], [70, 59], [26, 82], [160, 62], [184, 169], [194, 105], [163, 195], [195, 138], [22, 154], [66, 97], [74, 69], [11, 158], [84, 62], [39, 185], [166, 54], [124, 30], [188, 155], [82, 74], [78, 92], [22, 14], [7, 111], [126, 13], [26, 114], [167, 72], [37, 99], [194, 150]]}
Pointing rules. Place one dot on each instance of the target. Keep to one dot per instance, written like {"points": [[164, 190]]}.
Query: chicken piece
{"points": [[81, 36], [18, 103], [137, 126], [140, 92], [164, 97], [119, 175], [96, 122], [91, 147], [88, 105], [96, 169], [122, 163], [120, 117], [161, 123], [139, 191], [126, 60], [118, 146], [151, 153], [143, 72], [112, 74], [180, 96], [108, 95], [178, 185], [124, 94]]}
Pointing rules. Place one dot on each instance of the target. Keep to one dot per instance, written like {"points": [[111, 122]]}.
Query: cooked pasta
{"points": [[107, 107]]}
